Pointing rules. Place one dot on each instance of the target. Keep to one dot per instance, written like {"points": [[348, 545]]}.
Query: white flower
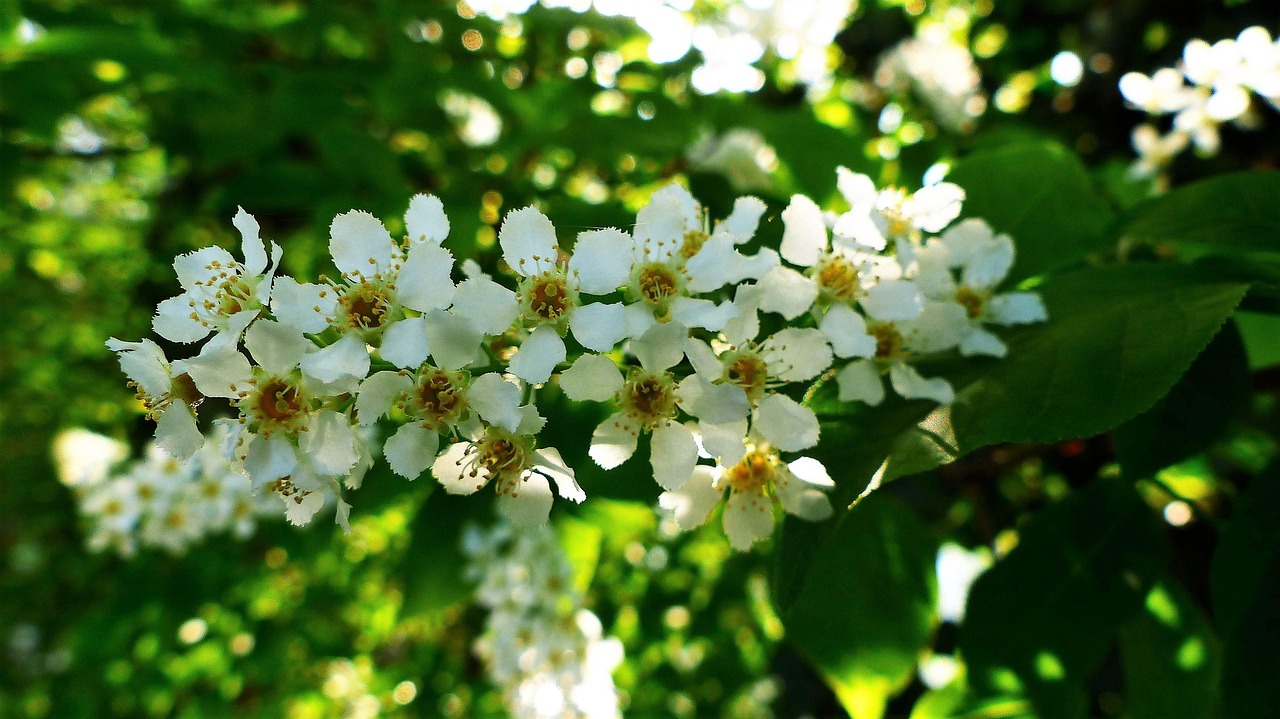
{"points": [[741, 155], [1164, 92], [674, 255], [436, 401], [939, 327], [219, 294], [549, 298], [1156, 151], [941, 72], [166, 391], [645, 401], [877, 216], [515, 465], [379, 278], [759, 369], [288, 416], [983, 260], [835, 273], [756, 479]]}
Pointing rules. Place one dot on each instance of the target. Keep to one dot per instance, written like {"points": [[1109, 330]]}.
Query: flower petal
{"points": [[177, 433], [378, 393], [702, 313], [490, 306], [1016, 308], [496, 400], [742, 222], [425, 220], [847, 332], [454, 340], [527, 501], [804, 234], [598, 326], [360, 245], [725, 443], [860, 381], [457, 471], [673, 453], [423, 283], [981, 342], [787, 424], [893, 300], [694, 500], [306, 306], [411, 450], [796, 354], [661, 347], [614, 441], [602, 260], [787, 292], [910, 384], [748, 518], [548, 462], [538, 355], [404, 343], [277, 347], [201, 266], [528, 241], [269, 459], [330, 443], [592, 378], [713, 403], [346, 358], [143, 362], [175, 321], [220, 371], [255, 253]]}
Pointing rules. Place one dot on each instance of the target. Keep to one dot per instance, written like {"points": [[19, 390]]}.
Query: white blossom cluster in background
{"points": [[940, 72], [741, 155], [157, 501], [1211, 86], [675, 327], [542, 647], [731, 40]]}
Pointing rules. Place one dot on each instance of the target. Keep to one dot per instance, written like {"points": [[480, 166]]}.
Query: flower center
{"points": [[501, 452], [548, 297], [365, 305], [889, 341], [438, 397], [747, 370], [184, 388], [754, 473], [234, 295], [657, 283], [837, 278], [693, 242], [972, 301], [648, 398], [276, 404]]}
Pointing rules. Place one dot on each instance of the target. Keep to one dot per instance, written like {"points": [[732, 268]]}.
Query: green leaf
{"points": [[868, 612], [581, 544], [1261, 334], [1171, 658], [1042, 196], [1117, 339], [1193, 414], [1041, 620], [1248, 546], [1228, 213]]}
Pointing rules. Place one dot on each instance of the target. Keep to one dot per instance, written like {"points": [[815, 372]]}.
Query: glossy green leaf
{"points": [[1223, 214], [1172, 659], [869, 610], [1041, 620], [1042, 196], [1193, 414]]}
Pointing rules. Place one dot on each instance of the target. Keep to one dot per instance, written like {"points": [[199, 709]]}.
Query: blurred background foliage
{"points": [[131, 131]]}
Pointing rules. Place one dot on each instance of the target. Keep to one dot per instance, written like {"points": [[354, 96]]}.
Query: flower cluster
{"points": [[542, 647], [156, 501], [1211, 86], [942, 74], [679, 331]]}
